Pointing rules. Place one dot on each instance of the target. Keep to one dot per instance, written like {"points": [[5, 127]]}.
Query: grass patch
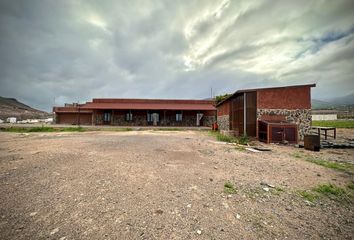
{"points": [[121, 129], [308, 195], [330, 190], [243, 140], [334, 123], [344, 167], [71, 129], [42, 129], [229, 188], [168, 129], [327, 190], [350, 186]]}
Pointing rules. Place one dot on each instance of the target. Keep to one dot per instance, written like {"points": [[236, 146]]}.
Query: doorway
{"points": [[107, 116]]}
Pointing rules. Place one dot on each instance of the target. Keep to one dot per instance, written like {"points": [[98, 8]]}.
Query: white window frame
{"points": [[179, 117], [129, 116]]}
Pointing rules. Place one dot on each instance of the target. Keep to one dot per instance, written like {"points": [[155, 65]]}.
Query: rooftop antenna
{"points": [[211, 92]]}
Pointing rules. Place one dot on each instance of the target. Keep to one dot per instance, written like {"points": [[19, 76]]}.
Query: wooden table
{"points": [[326, 129]]}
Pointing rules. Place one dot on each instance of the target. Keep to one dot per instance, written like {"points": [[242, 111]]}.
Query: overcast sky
{"points": [[66, 51]]}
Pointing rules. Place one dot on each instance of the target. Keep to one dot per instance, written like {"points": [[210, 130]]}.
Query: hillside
{"points": [[345, 100], [339, 103], [10, 107]]}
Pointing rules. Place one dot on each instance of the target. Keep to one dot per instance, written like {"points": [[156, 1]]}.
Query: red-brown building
{"points": [[245, 110], [138, 112]]}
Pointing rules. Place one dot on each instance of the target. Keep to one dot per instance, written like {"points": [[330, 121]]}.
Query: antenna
{"points": [[211, 92]]}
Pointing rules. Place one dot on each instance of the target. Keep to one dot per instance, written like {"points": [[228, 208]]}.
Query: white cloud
{"points": [[174, 49]]}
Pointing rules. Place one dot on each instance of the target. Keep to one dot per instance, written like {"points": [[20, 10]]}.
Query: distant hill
{"points": [[334, 103], [346, 100], [10, 107], [318, 104]]}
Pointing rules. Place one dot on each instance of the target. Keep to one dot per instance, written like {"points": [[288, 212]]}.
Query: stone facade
{"points": [[302, 117], [208, 121], [224, 122]]}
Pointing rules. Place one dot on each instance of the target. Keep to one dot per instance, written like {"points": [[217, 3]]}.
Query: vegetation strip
{"points": [[334, 123], [329, 190], [344, 167], [243, 140], [229, 188]]}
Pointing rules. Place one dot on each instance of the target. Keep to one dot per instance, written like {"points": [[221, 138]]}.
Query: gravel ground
{"points": [[163, 185]]}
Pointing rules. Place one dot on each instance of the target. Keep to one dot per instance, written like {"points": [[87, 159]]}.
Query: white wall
{"points": [[324, 117]]}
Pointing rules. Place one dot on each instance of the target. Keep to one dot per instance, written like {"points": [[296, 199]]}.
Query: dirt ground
{"points": [[163, 185]]}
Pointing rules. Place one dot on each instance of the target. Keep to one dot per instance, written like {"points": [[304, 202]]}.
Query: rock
{"points": [[54, 231], [238, 216], [210, 179], [267, 184], [288, 208], [308, 203], [158, 211], [33, 214], [62, 238], [225, 205], [319, 175], [215, 167], [199, 232], [266, 189], [189, 205], [229, 196]]}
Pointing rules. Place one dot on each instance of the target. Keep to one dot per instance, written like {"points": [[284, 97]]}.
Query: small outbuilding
{"points": [[244, 111], [324, 115], [11, 120]]}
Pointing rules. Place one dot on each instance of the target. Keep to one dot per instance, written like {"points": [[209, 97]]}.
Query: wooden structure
{"points": [[277, 132], [325, 130], [239, 113]]}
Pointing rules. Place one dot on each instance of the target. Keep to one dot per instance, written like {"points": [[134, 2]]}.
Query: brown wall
{"points": [[139, 118], [224, 108], [284, 98], [72, 118]]}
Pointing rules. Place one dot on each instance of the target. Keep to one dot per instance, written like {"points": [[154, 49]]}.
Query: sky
{"points": [[52, 52]]}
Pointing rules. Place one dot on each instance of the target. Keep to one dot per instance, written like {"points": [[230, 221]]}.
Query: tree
{"points": [[221, 98]]}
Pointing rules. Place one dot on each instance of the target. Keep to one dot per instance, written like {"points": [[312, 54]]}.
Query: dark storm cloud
{"points": [[75, 50]]}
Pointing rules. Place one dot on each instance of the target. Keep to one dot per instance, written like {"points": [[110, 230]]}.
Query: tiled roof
{"points": [[150, 106]]}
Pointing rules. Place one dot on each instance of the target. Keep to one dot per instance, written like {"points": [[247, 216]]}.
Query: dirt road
{"points": [[163, 185]]}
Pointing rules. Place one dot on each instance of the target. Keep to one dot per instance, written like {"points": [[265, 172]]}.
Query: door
{"points": [[199, 119], [155, 118], [251, 113], [107, 117]]}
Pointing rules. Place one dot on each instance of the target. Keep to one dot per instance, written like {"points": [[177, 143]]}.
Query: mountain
{"points": [[10, 107], [338, 103], [346, 100], [319, 104]]}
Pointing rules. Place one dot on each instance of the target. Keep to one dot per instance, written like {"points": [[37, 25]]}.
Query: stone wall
{"points": [[224, 122], [208, 121], [302, 117]]}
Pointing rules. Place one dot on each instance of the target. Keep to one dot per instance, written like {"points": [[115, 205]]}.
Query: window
{"points": [[107, 117], [151, 117], [179, 117], [129, 116]]}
